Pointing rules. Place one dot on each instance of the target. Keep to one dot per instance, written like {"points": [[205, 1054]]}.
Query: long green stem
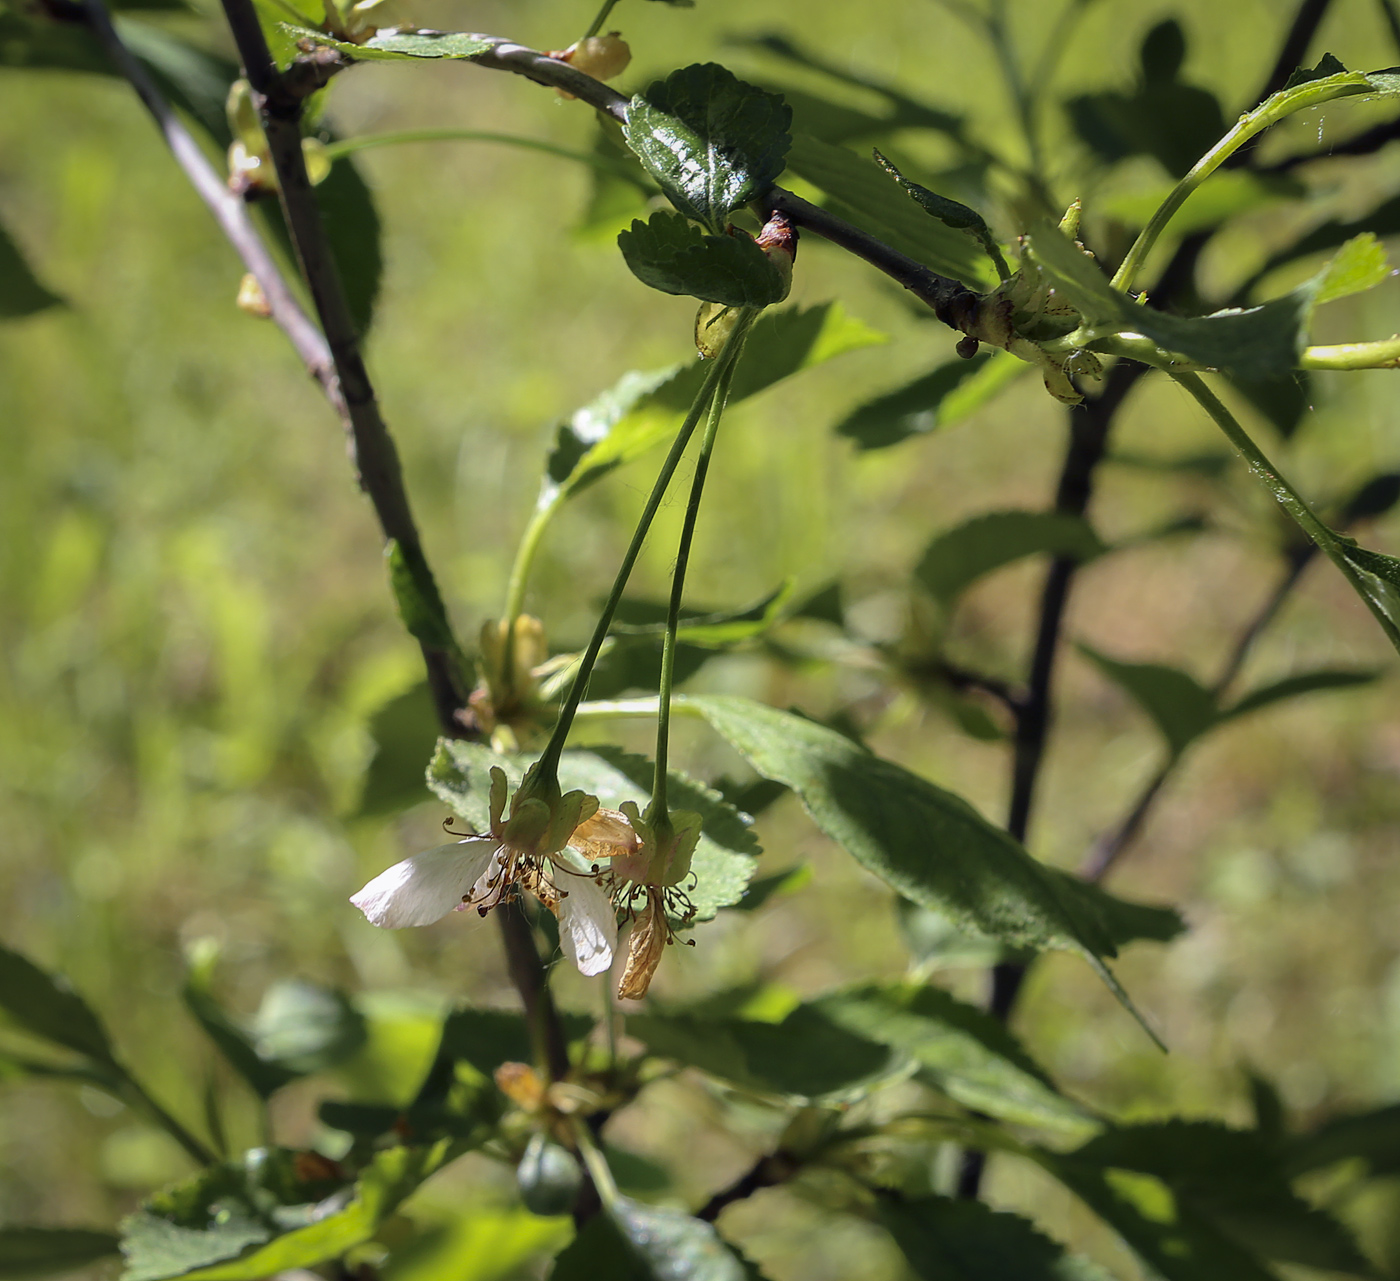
{"points": [[658, 811], [1384, 354], [596, 1163], [366, 142], [549, 758], [1269, 112], [136, 1094], [597, 24], [1327, 542]]}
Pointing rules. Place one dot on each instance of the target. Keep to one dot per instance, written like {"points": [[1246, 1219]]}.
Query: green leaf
{"points": [[1372, 498], [947, 1240], [1233, 1180], [1180, 707], [937, 399], [1373, 1137], [724, 858], [405, 732], [396, 46], [192, 78], [927, 843], [1327, 66], [807, 1055], [710, 140], [1282, 401], [763, 888], [961, 1051], [227, 1225], [636, 1242], [40, 1252], [677, 257], [352, 229], [951, 214], [958, 557], [644, 408], [21, 294], [1296, 686], [265, 1077], [711, 628], [1379, 578], [302, 1027], [488, 1038], [46, 1006], [1254, 342], [860, 192], [1358, 265], [416, 593]]}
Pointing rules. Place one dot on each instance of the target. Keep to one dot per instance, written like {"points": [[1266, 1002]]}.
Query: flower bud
{"points": [[251, 297], [548, 1177]]}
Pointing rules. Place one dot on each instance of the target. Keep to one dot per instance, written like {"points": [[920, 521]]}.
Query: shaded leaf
{"points": [[1180, 707], [21, 294], [1373, 1137], [675, 256], [395, 45], [488, 1038], [951, 214], [40, 1252], [1373, 498], [947, 1240], [715, 628], [237, 1047], [302, 1027], [404, 731], [352, 229], [44, 1004], [958, 557], [710, 140], [636, 1242], [1296, 686], [416, 593], [763, 888], [927, 843], [859, 192], [1283, 401]]}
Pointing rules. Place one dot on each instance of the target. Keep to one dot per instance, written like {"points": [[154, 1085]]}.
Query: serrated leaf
{"points": [[1296, 686], [217, 1227], [1180, 707], [675, 256], [860, 192], [947, 1240], [951, 213], [961, 1051], [724, 858], [927, 843], [396, 46], [40, 1252], [636, 1242], [21, 294], [1358, 265], [44, 1004], [416, 593], [710, 140], [1253, 342], [958, 557], [937, 399], [644, 408]]}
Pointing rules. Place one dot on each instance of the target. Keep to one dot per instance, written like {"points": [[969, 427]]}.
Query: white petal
{"points": [[426, 887], [587, 925]]}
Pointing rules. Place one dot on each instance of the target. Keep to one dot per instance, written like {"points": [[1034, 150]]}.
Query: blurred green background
{"points": [[197, 628]]}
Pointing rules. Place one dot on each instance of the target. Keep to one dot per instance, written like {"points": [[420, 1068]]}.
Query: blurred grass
{"points": [[195, 622]]}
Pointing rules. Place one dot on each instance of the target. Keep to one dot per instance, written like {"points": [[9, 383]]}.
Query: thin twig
{"points": [[769, 1171]]}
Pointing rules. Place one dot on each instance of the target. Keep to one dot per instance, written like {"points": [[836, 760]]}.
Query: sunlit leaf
{"points": [[1358, 265], [712, 142], [396, 45], [40, 1252], [673, 255], [928, 843], [958, 557], [636, 1242]]}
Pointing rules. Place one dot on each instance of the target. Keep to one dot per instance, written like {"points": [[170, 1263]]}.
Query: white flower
{"points": [[587, 924], [428, 886]]}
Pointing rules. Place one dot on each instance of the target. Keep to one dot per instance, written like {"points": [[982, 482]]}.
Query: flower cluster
{"points": [[584, 863]]}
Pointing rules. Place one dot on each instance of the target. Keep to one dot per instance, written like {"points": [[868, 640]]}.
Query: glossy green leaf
{"points": [[1358, 265], [643, 409], [858, 191], [1253, 342], [961, 1051], [397, 45], [44, 1005], [940, 398], [1180, 707], [927, 843], [710, 140], [675, 256], [724, 859], [41, 1252], [1233, 1180], [958, 557], [1296, 686], [21, 294], [951, 213], [223, 1227], [637, 1242], [1379, 578], [947, 1240]]}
